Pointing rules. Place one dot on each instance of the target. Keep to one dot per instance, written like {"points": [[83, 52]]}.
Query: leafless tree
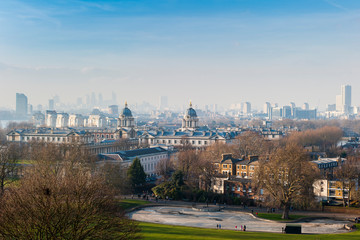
{"points": [[62, 200], [286, 176], [347, 174], [164, 168], [9, 156]]}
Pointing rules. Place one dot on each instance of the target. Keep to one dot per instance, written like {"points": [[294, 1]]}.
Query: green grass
{"points": [[25, 162], [130, 203], [159, 231], [277, 216]]}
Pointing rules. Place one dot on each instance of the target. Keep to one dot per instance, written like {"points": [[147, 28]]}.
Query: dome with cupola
{"points": [[126, 112], [190, 120], [191, 112], [126, 118]]}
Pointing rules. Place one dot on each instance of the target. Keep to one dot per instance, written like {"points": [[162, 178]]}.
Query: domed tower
{"points": [[190, 120], [126, 119]]}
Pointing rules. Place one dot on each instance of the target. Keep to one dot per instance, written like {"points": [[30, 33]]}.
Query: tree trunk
{"points": [[286, 210]]}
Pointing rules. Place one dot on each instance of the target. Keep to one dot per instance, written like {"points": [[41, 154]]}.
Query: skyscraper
{"points": [[51, 104], [21, 105], [343, 101], [163, 104], [346, 96], [247, 108]]}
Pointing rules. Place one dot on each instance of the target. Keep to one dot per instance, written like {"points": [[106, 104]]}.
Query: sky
{"points": [[207, 51]]}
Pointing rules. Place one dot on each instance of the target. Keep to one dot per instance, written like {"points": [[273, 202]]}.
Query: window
{"points": [[175, 141], [251, 174], [193, 142], [205, 142], [252, 168], [224, 165], [169, 141], [238, 188], [199, 142], [238, 173], [243, 167], [163, 141], [249, 190], [238, 167], [322, 189]]}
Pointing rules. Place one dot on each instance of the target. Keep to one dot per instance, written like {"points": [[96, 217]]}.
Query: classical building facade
{"points": [[149, 158], [189, 133]]}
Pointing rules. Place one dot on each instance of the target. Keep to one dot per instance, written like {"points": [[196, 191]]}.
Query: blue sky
{"points": [[209, 51]]}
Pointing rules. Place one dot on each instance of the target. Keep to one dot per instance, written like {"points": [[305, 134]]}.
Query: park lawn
{"points": [[158, 231], [130, 203], [277, 216]]}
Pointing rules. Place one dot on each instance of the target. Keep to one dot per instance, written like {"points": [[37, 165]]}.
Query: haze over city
{"points": [[221, 52]]}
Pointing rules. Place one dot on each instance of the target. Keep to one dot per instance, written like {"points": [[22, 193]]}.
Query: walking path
{"points": [[186, 216]]}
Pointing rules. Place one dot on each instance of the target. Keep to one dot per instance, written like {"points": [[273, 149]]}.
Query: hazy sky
{"points": [[210, 51]]}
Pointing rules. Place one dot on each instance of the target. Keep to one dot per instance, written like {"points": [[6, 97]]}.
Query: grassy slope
{"points": [[159, 231], [277, 216], [130, 203]]}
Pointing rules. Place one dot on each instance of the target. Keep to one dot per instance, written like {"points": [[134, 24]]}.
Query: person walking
{"points": [[219, 226], [244, 228]]}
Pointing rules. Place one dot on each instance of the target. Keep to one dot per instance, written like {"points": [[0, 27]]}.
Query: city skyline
{"points": [[343, 103], [208, 52]]}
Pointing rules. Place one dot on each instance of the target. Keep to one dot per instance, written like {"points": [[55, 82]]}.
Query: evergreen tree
{"points": [[136, 174]]}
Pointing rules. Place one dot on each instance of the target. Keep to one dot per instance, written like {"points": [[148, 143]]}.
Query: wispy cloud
{"points": [[30, 14], [336, 5]]}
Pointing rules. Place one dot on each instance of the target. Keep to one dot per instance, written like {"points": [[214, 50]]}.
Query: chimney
{"points": [[226, 156], [253, 158]]}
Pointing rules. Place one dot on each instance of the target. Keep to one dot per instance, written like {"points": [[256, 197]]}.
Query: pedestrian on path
{"points": [[241, 227], [244, 228], [219, 226]]}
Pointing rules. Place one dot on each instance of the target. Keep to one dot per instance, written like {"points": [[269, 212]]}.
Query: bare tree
{"points": [[9, 155], [164, 168], [71, 202], [252, 143], [286, 176], [347, 174]]}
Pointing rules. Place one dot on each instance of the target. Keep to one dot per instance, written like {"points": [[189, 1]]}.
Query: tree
{"points": [[251, 143], [164, 168], [347, 174], [63, 200], [171, 188], [8, 165], [188, 162], [286, 176], [136, 174], [115, 176]]}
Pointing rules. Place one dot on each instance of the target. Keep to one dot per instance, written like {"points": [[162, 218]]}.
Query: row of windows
{"points": [[53, 139], [169, 141], [243, 167], [103, 136], [238, 189], [152, 158]]}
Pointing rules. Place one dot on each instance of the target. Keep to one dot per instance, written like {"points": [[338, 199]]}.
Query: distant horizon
{"points": [[210, 52]]}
